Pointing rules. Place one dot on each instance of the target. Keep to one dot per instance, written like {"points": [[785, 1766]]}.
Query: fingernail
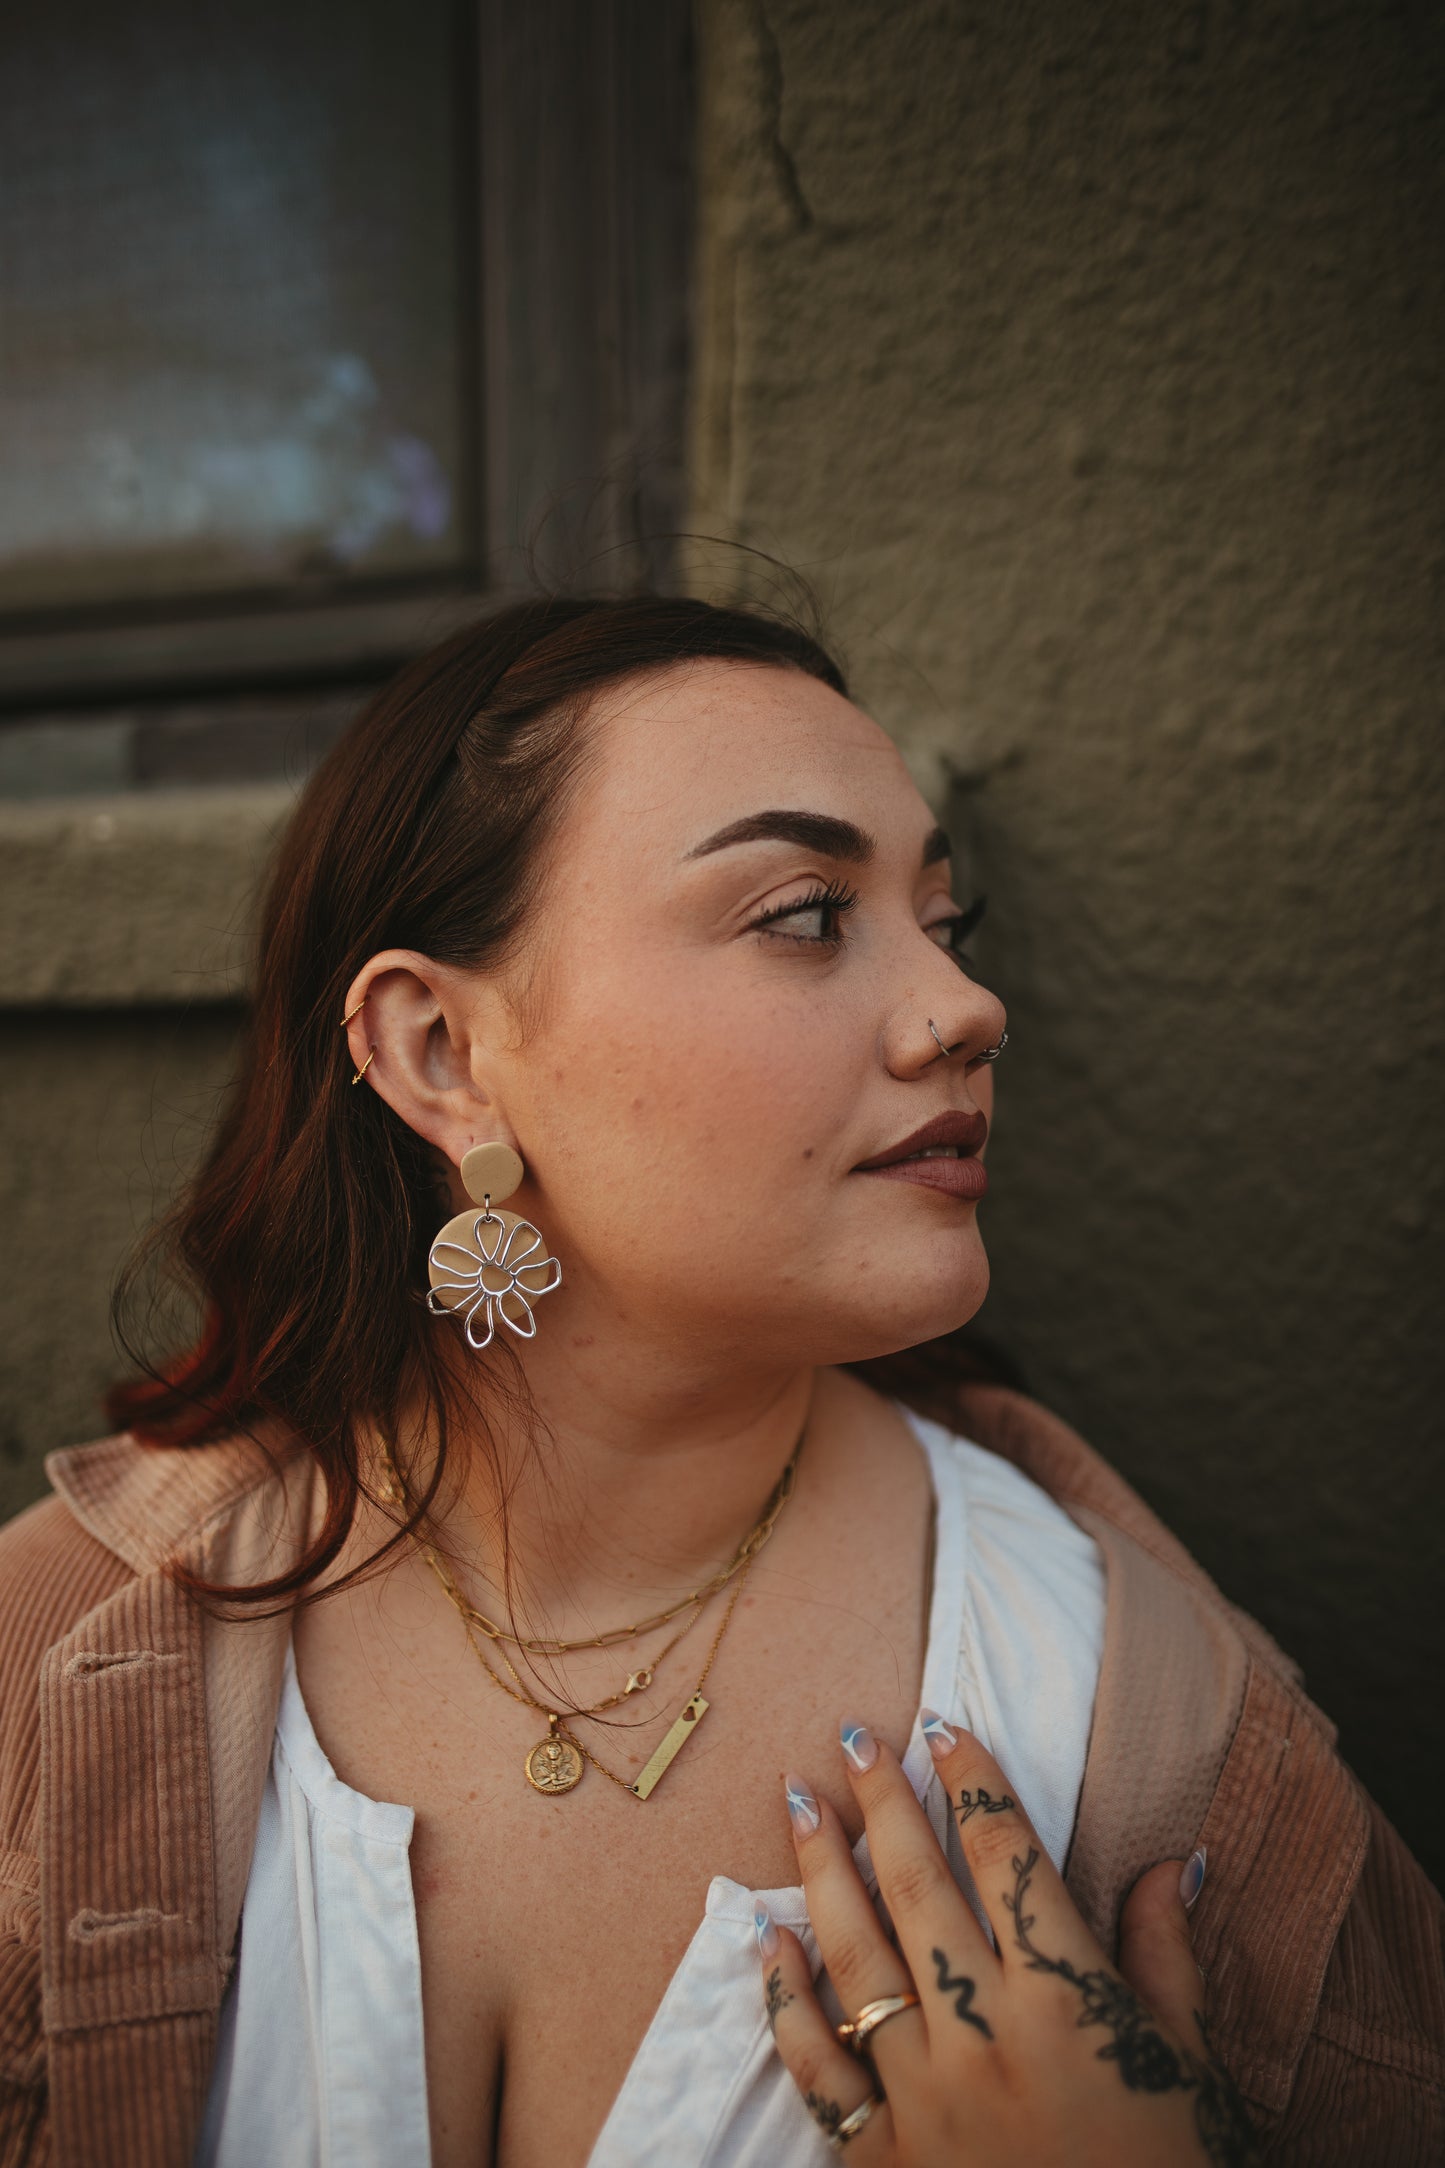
{"points": [[802, 1807], [1191, 1882], [941, 1736], [859, 1744], [765, 1931]]}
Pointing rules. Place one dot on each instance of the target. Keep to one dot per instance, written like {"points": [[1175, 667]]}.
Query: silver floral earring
{"points": [[488, 1265]]}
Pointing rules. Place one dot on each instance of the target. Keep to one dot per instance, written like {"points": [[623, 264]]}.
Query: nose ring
{"points": [[985, 1053]]}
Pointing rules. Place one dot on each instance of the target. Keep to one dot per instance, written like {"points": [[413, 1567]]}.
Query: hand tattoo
{"points": [[981, 1802], [778, 1996], [963, 1998], [1148, 2063], [825, 2113]]}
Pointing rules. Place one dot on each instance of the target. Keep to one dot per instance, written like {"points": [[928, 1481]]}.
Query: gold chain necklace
{"points": [[747, 1551], [555, 1764]]}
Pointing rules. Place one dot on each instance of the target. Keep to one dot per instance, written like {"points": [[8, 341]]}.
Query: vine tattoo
{"points": [[778, 1996], [963, 1992], [1148, 2063], [825, 2113], [981, 1802]]}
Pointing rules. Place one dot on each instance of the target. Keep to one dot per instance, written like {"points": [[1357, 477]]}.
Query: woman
{"points": [[538, 1492]]}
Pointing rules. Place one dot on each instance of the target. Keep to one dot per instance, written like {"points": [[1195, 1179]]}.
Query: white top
{"points": [[320, 2061]]}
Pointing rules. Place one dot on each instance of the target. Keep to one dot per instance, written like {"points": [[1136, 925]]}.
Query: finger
{"points": [[861, 1962], [833, 2083], [944, 1946], [1156, 1951], [1019, 1887]]}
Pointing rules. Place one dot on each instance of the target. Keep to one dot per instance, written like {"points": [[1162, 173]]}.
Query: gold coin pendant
{"points": [[555, 1764]]}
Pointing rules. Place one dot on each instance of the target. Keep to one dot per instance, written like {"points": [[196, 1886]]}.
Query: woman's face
{"points": [[718, 1037]]}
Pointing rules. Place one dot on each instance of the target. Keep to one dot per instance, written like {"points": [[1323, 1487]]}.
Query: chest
{"points": [[550, 1928]]}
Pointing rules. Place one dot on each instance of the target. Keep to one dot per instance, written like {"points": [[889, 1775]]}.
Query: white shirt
{"points": [[320, 2062]]}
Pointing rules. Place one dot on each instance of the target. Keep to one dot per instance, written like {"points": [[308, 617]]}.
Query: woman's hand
{"points": [[1035, 2051]]}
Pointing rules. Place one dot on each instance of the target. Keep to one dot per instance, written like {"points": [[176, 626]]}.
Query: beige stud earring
{"points": [[488, 1265]]}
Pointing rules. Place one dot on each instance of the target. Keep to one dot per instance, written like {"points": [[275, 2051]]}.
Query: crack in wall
{"points": [[785, 170]]}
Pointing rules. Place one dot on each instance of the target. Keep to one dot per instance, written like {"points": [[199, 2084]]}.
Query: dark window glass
{"points": [[232, 354]]}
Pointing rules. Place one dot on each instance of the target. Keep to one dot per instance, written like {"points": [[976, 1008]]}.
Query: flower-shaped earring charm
{"points": [[488, 1265]]}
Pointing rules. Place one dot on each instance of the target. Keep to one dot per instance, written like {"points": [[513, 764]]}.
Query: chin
{"points": [[937, 1310]]}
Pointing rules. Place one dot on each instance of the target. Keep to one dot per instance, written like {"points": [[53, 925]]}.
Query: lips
{"points": [[965, 1176], [967, 1131]]}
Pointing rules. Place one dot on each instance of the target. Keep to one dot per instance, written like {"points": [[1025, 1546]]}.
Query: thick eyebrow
{"points": [[824, 833]]}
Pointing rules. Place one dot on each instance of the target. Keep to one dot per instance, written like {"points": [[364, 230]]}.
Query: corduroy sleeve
{"points": [[51, 1574], [1369, 2091]]}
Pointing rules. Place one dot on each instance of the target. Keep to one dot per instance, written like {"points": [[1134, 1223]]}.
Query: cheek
{"points": [[699, 1106]]}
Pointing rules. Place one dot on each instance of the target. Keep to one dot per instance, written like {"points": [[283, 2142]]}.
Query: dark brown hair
{"points": [[304, 1236]]}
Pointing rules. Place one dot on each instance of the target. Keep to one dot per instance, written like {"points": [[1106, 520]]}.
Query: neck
{"points": [[616, 1503]]}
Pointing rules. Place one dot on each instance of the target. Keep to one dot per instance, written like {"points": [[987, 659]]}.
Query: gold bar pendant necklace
{"points": [[556, 1763]]}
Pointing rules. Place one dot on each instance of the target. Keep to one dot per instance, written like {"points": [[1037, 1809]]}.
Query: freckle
{"points": [[809, 1153], [584, 1339]]}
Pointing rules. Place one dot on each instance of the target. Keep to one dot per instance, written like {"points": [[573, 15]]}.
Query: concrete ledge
{"points": [[136, 898]]}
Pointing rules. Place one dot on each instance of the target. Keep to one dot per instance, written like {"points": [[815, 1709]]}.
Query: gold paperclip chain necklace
{"points": [[555, 1764], [747, 1551]]}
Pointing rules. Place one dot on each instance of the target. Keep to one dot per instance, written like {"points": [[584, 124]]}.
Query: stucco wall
{"points": [[1088, 360], [120, 982]]}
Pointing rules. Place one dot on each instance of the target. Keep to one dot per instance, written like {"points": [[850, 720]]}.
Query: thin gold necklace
{"points": [[553, 1645], [555, 1764]]}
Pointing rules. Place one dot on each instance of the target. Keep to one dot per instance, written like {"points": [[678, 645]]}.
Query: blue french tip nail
{"points": [[802, 1807], [1191, 1881], [859, 1744], [941, 1736], [765, 1930]]}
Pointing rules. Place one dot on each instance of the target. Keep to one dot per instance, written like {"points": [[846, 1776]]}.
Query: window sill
{"points": [[142, 899]]}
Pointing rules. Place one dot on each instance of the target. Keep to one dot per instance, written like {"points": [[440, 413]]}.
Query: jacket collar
{"points": [[148, 1504]]}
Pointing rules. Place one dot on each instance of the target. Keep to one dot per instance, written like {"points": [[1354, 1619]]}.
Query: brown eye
{"points": [[827, 904]]}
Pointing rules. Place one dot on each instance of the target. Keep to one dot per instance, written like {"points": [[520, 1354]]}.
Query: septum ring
{"points": [[985, 1053], [854, 2032]]}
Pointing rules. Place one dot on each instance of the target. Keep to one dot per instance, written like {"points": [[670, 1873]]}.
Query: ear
{"points": [[428, 1029]]}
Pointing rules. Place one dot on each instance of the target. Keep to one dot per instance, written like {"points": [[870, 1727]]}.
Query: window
{"points": [[312, 313]]}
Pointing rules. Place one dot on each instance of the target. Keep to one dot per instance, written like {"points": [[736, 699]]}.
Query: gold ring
{"points": [[854, 2032], [852, 2124]]}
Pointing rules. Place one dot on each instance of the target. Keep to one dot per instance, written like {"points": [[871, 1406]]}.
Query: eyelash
{"points": [[836, 897]]}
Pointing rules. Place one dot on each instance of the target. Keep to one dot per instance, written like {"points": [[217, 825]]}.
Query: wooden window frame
{"points": [[577, 240]]}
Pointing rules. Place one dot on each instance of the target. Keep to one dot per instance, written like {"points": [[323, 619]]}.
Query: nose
{"points": [[953, 1018]]}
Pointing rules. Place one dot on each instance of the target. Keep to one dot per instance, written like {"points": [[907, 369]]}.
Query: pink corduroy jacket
{"points": [[136, 1729]]}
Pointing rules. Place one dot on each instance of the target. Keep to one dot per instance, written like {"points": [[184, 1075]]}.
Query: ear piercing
{"points": [[372, 1055]]}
